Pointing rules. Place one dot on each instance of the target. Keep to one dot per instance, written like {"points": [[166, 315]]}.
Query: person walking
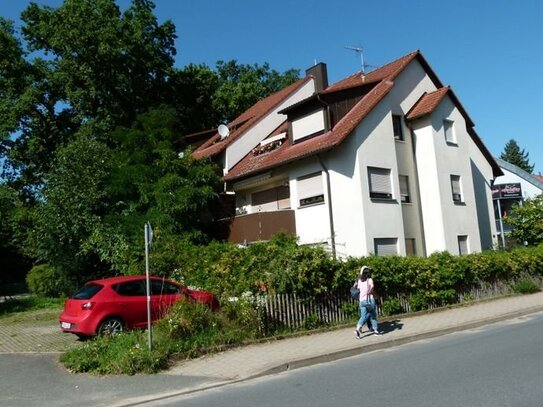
{"points": [[367, 304]]}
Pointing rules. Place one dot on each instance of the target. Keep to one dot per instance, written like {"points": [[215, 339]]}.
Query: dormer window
{"points": [[308, 125]]}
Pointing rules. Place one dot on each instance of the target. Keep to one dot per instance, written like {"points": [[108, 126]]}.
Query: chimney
{"points": [[320, 74]]}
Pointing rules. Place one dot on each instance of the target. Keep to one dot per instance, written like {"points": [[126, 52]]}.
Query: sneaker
{"points": [[377, 333], [357, 333]]}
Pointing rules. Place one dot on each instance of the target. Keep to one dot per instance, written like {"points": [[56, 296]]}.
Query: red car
{"points": [[110, 305]]}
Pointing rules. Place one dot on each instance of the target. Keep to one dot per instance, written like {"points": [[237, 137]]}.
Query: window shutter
{"points": [[410, 247], [380, 181], [310, 189], [456, 190], [404, 188], [463, 245], [386, 246], [448, 127]]}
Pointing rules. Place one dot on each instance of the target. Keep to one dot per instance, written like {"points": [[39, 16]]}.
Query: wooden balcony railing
{"points": [[259, 226]]}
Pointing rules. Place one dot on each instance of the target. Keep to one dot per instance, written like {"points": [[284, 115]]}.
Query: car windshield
{"points": [[87, 292]]}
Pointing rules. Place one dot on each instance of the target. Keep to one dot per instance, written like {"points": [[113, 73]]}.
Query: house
{"points": [[512, 188], [385, 162]]}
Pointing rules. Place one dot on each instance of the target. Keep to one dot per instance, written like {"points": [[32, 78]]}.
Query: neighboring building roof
{"points": [[246, 120], [535, 180]]}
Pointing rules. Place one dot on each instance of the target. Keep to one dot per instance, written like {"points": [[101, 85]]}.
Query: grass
{"points": [[30, 308]]}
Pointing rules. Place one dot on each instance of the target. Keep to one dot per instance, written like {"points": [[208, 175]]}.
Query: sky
{"points": [[489, 52]]}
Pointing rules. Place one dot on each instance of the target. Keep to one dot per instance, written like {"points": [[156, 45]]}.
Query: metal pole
{"points": [[501, 223], [148, 286]]}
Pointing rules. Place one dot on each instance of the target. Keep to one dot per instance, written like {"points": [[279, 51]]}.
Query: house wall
{"points": [[252, 137]]}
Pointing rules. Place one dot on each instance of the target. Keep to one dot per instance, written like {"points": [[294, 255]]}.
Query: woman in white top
{"points": [[367, 302]]}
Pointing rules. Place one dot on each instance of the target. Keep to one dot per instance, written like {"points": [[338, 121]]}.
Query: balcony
{"points": [[260, 226]]}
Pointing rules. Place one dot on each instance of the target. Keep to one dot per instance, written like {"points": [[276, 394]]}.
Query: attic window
{"points": [[270, 144], [309, 125]]}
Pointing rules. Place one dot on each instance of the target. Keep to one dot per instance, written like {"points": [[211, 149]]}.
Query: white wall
{"points": [[252, 137]]}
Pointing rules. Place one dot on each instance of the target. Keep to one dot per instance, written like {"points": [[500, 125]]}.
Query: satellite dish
{"points": [[224, 131]]}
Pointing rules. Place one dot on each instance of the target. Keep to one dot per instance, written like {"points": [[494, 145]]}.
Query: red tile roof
{"points": [[246, 120], [427, 103], [383, 78]]}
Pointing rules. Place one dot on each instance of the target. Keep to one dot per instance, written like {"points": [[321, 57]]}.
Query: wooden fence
{"points": [[288, 311]]}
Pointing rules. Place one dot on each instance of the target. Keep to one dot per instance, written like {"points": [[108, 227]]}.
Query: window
{"points": [[404, 189], [308, 125], [386, 246], [271, 199], [456, 189], [131, 288], [164, 288], [379, 179], [310, 190], [448, 127], [410, 247], [463, 246], [397, 126]]}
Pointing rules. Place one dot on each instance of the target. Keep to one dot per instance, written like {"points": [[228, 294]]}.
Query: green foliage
{"points": [[527, 221], [526, 286], [126, 353], [48, 281], [28, 304], [241, 86], [513, 155], [391, 307]]}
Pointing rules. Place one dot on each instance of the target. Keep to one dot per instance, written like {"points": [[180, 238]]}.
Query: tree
{"points": [[527, 221], [241, 86], [513, 155], [92, 113], [97, 66]]}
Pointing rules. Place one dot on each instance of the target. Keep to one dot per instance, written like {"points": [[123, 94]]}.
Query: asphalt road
{"points": [[36, 380], [498, 365]]}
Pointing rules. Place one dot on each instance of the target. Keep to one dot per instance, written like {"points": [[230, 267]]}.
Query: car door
{"points": [[133, 302], [163, 295]]}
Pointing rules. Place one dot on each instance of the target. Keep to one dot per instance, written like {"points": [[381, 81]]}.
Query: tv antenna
{"points": [[360, 52]]}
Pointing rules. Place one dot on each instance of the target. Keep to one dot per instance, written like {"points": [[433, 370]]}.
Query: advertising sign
{"points": [[505, 191]]}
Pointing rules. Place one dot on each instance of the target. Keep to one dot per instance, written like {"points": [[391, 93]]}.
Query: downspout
{"points": [[330, 212]]}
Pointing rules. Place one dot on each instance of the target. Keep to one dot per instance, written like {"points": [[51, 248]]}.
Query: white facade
{"points": [[422, 193]]}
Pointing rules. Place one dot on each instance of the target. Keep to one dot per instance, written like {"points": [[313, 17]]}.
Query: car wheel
{"points": [[111, 326]]}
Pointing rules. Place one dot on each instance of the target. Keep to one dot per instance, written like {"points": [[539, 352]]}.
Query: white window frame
{"points": [[380, 185], [450, 133], [456, 189], [388, 245]]}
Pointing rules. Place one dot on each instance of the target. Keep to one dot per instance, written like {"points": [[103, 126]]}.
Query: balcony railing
{"points": [[259, 226]]}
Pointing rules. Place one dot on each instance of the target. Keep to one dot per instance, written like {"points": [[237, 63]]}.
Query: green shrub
{"points": [[418, 302], [391, 307], [48, 281], [526, 286], [350, 309], [126, 353]]}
